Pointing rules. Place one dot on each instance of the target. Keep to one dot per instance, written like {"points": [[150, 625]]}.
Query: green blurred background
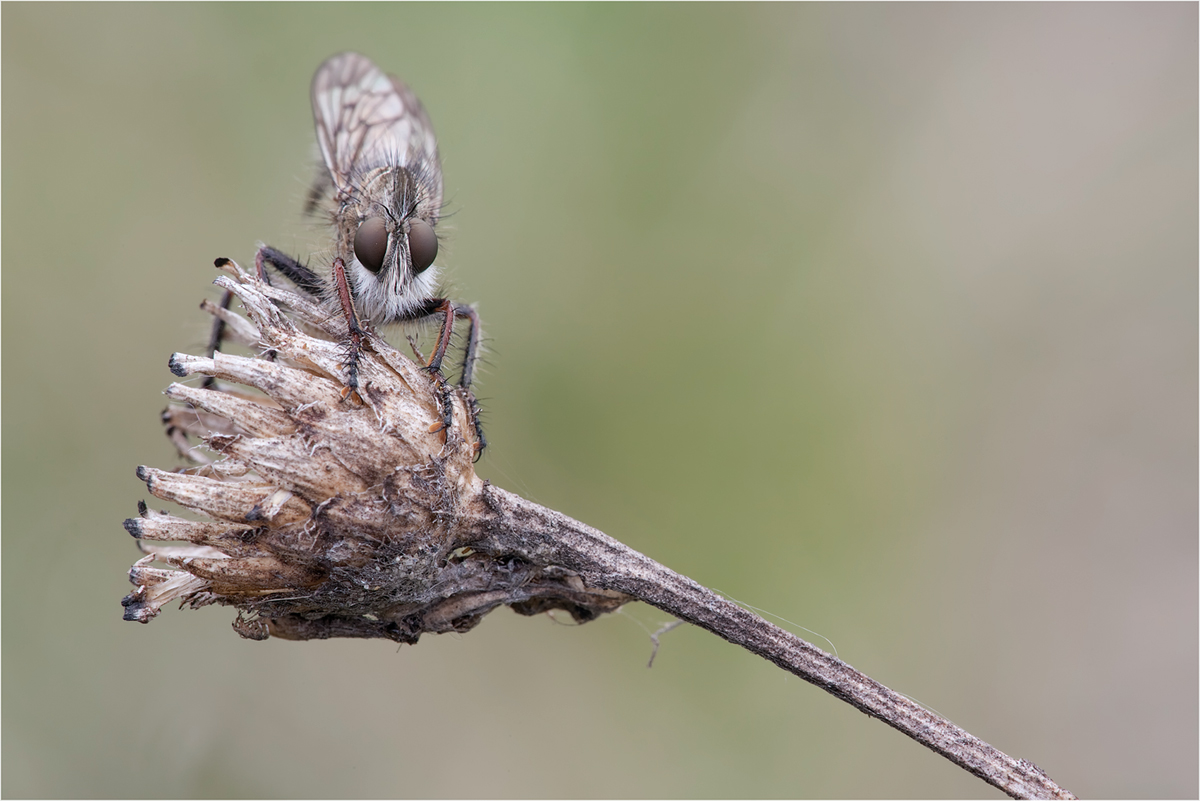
{"points": [[880, 318]]}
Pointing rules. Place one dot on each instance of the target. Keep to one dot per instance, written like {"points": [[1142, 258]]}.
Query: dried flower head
{"points": [[330, 516]]}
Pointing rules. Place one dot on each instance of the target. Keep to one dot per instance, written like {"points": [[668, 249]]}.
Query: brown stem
{"points": [[524, 527]]}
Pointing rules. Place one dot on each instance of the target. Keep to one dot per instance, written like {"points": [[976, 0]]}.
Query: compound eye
{"points": [[370, 243], [422, 245]]}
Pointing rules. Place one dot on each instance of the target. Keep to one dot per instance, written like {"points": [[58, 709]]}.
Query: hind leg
{"points": [[304, 278]]}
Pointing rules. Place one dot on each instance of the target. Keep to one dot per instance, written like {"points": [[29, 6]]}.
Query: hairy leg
{"points": [[452, 311]]}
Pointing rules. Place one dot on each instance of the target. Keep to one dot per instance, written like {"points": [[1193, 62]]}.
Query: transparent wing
{"points": [[366, 118]]}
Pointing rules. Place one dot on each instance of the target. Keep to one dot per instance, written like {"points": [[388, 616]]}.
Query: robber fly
{"points": [[382, 185]]}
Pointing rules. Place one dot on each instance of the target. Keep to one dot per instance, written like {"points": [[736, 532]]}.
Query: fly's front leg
{"points": [[357, 334], [452, 311]]}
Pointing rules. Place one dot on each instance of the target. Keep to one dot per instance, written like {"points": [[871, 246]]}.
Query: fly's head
{"points": [[384, 172], [388, 239]]}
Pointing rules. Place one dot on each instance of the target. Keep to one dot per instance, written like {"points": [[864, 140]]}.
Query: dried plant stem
{"points": [[363, 517], [603, 562]]}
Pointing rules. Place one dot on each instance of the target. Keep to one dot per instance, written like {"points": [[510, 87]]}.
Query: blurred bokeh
{"points": [[882, 319]]}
